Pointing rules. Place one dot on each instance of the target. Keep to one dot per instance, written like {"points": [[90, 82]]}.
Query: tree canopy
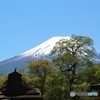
{"points": [[74, 56]]}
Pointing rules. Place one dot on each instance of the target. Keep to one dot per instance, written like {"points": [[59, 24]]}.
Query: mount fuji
{"points": [[41, 51], [21, 61]]}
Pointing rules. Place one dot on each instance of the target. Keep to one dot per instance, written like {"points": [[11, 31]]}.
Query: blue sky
{"points": [[25, 24]]}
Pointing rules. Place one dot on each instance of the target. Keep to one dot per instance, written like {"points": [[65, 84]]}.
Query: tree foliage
{"points": [[93, 74], [74, 56], [2, 80], [77, 51], [40, 69]]}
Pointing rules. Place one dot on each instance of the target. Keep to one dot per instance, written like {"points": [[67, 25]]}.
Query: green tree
{"points": [[74, 56], [93, 75], [2, 80], [39, 70], [56, 88], [50, 81]]}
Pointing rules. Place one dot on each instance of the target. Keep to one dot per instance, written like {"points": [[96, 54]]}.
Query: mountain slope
{"points": [[41, 51], [22, 60]]}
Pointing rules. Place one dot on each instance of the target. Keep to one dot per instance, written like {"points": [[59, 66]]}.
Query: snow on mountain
{"points": [[20, 61], [97, 60], [44, 48], [41, 51]]}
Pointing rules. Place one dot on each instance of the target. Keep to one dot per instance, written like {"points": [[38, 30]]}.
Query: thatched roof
{"points": [[16, 87]]}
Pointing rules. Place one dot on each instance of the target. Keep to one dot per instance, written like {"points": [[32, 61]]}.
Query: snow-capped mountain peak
{"points": [[44, 48], [41, 51], [22, 60]]}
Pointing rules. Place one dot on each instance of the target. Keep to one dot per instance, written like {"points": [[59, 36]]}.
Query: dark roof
{"points": [[15, 86], [15, 73], [95, 87]]}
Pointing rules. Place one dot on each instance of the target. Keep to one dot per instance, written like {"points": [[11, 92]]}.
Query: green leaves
{"points": [[2, 80], [77, 50], [74, 57], [40, 67]]}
